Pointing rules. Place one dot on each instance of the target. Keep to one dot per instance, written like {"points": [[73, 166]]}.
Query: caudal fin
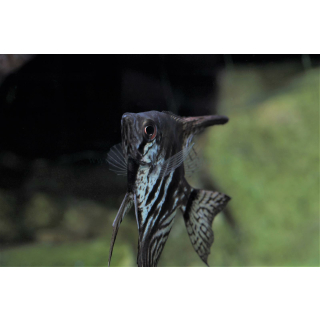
{"points": [[201, 209]]}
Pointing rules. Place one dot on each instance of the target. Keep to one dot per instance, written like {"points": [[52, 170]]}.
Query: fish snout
{"points": [[131, 137], [127, 118]]}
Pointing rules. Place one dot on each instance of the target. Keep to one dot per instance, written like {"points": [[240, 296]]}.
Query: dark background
{"points": [[56, 105]]}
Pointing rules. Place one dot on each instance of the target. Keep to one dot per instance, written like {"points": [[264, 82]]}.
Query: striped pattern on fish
{"points": [[155, 146]]}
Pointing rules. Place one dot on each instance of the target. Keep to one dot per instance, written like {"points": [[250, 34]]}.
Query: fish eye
{"points": [[150, 131]]}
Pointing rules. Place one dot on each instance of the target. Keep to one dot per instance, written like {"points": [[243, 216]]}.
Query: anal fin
{"points": [[200, 211]]}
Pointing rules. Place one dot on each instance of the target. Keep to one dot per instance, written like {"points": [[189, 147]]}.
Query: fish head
{"points": [[146, 136]]}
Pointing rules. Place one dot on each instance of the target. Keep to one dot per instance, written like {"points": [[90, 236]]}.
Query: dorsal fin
{"points": [[195, 125], [174, 116]]}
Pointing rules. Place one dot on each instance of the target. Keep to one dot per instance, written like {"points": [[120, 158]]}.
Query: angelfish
{"points": [[155, 153]]}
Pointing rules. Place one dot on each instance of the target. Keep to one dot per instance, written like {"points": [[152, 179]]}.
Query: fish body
{"points": [[155, 149]]}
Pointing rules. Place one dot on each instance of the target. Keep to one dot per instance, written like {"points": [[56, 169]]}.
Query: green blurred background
{"points": [[266, 158]]}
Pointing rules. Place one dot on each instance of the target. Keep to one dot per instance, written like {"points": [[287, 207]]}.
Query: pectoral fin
{"points": [[117, 161], [192, 163], [175, 161], [200, 211], [124, 208]]}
